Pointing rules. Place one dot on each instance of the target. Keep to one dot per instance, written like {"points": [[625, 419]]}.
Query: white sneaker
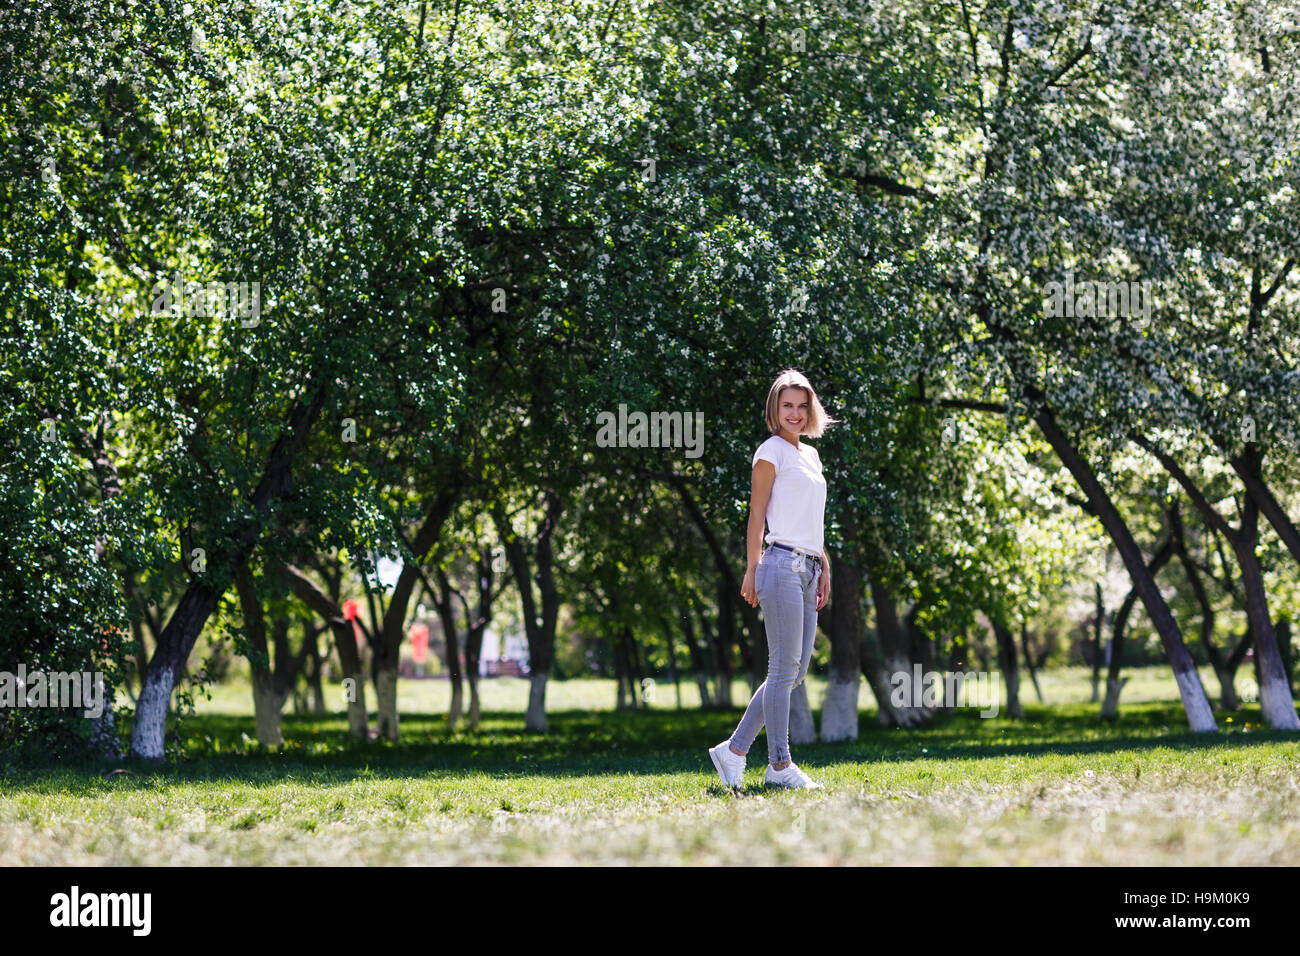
{"points": [[791, 777], [730, 766]]}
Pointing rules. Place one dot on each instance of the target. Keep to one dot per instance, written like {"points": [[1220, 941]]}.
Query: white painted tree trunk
{"points": [[1199, 716], [457, 704], [1276, 705], [358, 716], [911, 712], [386, 691], [354, 694], [802, 728], [150, 727], [266, 709], [1110, 706], [535, 718], [840, 709]]}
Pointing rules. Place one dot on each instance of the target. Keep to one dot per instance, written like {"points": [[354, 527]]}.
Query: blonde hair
{"points": [[818, 420]]}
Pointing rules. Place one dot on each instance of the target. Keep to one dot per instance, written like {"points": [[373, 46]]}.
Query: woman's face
{"points": [[792, 411]]}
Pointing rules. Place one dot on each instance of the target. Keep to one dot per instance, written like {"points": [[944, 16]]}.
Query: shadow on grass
{"points": [[636, 743]]}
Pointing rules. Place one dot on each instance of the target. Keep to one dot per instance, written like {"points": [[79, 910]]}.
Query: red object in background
{"points": [[113, 630], [419, 642], [350, 610]]}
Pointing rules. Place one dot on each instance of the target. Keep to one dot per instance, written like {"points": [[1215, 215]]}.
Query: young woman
{"points": [[791, 580]]}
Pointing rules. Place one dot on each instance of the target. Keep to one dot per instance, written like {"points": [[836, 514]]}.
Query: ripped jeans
{"points": [[786, 585]]}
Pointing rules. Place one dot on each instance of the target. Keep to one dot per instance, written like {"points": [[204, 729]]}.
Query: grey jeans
{"points": [[788, 597]]}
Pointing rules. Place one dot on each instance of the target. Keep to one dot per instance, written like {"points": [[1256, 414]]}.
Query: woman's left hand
{"points": [[823, 590]]}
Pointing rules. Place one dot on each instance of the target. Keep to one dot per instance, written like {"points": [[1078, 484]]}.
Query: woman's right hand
{"points": [[747, 590]]}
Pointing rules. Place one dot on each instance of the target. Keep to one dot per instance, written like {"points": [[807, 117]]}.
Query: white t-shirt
{"points": [[796, 509]]}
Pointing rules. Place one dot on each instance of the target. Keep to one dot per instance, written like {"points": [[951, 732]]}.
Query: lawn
{"points": [[619, 787]]}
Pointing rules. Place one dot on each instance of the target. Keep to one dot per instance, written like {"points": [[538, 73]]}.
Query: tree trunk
{"points": [[475, 702], [620, 673], [315, 675], [388, 649], [540, 630], [174, 646], [457, 707], [1249, 466], [354, 681], [840, 708], [139, 650], [473, 654], [635, 671], [474, 636], [921, 649], [386, 717], [451, 641], [1276, 703], [1006, 643], [721, 664], [1238, 655], [1029, 661], [1227, 690], [1096, 643], [907, 702], [1110, 706], [535, 719], [1225, 675], [873, 669], [266, 707], [1283, 631], [345, 639], [200, 598], [672, 664], [1114, 684], [726, 638], [1197, 706], [698, 666], [802, 728]]}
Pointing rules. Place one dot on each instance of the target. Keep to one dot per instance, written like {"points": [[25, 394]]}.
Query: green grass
{"points": [[637, 787]]}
